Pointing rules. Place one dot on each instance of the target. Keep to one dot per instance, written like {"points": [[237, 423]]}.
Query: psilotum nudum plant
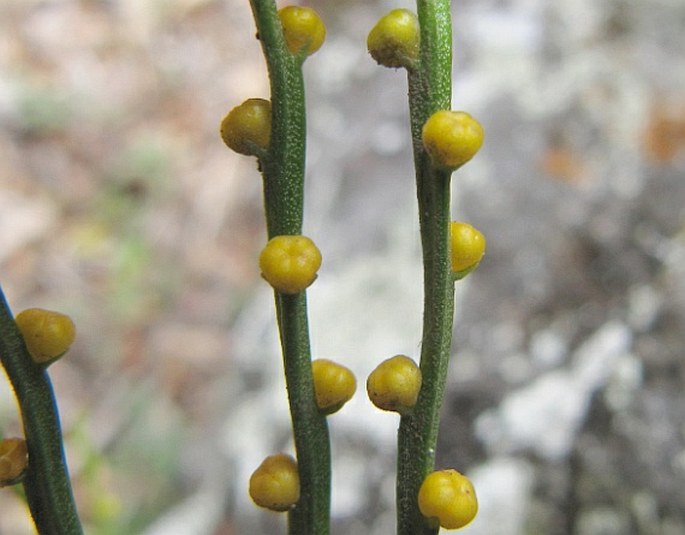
{"points": [[272, 130], [30, 342]]}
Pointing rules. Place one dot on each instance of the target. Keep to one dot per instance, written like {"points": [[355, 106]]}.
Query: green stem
{"points": [[46, 482], [283, 171], [429, 91], [284, 165], [311, 516]]}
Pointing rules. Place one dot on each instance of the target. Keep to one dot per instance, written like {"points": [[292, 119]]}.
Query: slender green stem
{"points": [[311, 516], [46, 482], [284, 164], [429, 91], [283, 170]]}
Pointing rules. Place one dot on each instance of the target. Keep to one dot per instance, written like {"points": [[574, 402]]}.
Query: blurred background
{"points": [[120, 206]]}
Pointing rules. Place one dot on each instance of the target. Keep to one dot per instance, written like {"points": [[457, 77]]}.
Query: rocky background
{"points": [[120, 206]]}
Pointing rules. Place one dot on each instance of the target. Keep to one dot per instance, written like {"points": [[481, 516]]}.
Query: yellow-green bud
{"points": [[14, 459], [451, 138], [275, 484], [47, 334], [467, 247], [395, 384], [290, 263], [303, 29], [394, 40], [448, 499], [334, 385], [247, 128]]}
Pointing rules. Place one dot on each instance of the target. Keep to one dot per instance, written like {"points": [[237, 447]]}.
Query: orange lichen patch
{"points": [[561, 163], [664, 135]]}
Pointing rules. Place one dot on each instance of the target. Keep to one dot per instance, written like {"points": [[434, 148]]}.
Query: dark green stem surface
{"points": [[311, 516], [429, 91], [46, 481], [284, 164], [283, 169]]}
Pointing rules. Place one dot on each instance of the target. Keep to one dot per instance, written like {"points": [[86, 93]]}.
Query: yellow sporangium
{"points": [[290, 263], [451, 138], [247, 127], [395, 384], [47, 334], [448, 498], [303, 29], [275, 484], [14, 458], [467, 247], [334, 385], [394, 40]]}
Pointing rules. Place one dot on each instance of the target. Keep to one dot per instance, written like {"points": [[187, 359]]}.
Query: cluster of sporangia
{"points": [[290, 264], [47, 336]]}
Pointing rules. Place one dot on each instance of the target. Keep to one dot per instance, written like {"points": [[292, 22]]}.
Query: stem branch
{"points": [[429, 91], [283, 170], [46, 482]]}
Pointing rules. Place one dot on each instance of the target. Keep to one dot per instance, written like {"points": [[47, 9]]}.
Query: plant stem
{"points": [[429, 91], [283, 166], [311, 516], [46, 482], [283, 171]]}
